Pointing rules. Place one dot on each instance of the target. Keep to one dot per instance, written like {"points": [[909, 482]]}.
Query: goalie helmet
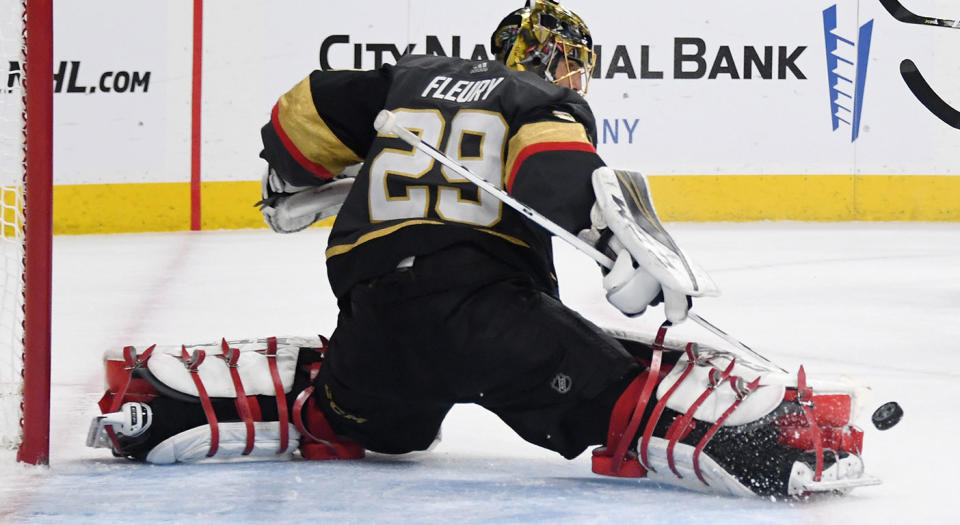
{"points": [[541, 36]]}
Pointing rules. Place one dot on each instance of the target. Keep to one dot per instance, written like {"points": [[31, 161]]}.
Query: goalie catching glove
{"points": [[288, 208], [648, 267]]}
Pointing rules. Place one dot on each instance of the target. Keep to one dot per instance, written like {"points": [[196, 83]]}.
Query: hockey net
{"points": [[25, 226]]}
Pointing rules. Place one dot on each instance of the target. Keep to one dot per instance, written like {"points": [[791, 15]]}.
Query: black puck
{"points": [[887, 415]]}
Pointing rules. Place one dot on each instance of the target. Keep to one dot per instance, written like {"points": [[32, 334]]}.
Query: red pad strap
{"points": [[658, 409], [282, 417], [653, 377], [805, 398], [301, 401], [622, 410], [679, 427], [131, 362], [254, 405], [192, 363], [313, 446], [742, 392], [298, 404], [231, 356], [602, 462]]}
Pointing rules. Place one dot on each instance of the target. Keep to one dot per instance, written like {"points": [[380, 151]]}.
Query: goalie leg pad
{"points": [[194, 444], [709, 429], [227, 401]]}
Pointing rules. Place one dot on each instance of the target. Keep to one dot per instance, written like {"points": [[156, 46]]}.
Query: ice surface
{"points": [[878, 302]]}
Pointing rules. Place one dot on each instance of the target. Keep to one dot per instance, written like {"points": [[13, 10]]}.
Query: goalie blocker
{"points": [[648, 266]]}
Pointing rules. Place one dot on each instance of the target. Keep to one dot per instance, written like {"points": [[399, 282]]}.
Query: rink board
{"points": [[723, 104]]}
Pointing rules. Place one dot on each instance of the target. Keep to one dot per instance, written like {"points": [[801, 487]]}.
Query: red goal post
{"points": [[28, 221]]}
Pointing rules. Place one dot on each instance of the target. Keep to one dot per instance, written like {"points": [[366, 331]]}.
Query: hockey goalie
{"points": [[446, 296]]}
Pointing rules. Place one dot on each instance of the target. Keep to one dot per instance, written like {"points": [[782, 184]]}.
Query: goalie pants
{"points": [[460, 326]]}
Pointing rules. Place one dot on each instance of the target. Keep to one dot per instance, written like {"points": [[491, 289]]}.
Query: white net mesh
{"points": [[12, 124]]}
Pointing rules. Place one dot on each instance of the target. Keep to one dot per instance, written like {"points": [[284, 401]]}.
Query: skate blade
{"points": [[841, 485], [97, 436]]}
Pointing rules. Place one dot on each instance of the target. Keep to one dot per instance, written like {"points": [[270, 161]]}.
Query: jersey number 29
{"points": [[484, 131]]}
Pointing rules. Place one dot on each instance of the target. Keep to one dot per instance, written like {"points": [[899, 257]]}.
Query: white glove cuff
{"points": [[630, 289], [675, 305]]}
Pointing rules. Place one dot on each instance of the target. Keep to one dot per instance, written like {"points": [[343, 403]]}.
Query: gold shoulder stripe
{"points": [[540, 133], [297, 116], [543, 136]]}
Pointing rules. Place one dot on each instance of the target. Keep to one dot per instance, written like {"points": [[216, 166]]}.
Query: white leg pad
{"points": [[719, 480], [194, 444]]}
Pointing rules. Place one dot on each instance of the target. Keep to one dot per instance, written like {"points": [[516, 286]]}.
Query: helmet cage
{"points": [[546, 36]]}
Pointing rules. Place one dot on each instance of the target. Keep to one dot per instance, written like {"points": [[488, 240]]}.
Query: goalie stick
{"points": [[905, 15], [386, 123], [925, 94]]}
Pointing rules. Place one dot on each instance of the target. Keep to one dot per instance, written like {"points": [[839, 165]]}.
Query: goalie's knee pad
{"points": [[712, 423], [244, 399]]}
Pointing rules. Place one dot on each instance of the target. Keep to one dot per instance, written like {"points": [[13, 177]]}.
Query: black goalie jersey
{"points": [[514, 129]]}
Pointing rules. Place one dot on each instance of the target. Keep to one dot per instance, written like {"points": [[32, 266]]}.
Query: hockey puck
{"points": [[887, 415]]}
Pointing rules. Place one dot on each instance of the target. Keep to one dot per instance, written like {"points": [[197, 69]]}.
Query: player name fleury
{"points": [[446, 88]]}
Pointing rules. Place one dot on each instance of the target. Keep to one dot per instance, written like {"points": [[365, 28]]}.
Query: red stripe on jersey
{"points": [[312, 167], [533, 149]]}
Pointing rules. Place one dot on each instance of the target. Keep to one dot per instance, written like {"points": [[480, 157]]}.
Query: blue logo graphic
{"points": [[846, 72]]}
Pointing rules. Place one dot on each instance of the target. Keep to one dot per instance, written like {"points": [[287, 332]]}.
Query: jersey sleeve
{"points": [[323, 124], [549, 165]]}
